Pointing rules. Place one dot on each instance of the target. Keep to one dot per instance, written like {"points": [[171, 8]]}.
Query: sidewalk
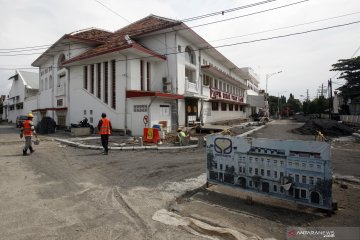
{"points": [[118, 142], [9, 134]]}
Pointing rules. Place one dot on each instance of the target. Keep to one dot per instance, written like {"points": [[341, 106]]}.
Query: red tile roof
{"points": [[116, 41], [93, 34]]}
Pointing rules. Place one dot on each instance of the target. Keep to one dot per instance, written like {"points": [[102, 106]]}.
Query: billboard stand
{"points": [[291, 170]]}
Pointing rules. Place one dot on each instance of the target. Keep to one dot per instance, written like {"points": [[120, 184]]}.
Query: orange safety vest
{"points": [[27, 128], [105, 127]]}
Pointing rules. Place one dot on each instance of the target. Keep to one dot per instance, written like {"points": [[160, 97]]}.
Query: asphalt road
{"points": [[61, 192]]}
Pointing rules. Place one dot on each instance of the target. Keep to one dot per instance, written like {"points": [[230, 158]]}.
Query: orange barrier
{"points": [[151, 135]]}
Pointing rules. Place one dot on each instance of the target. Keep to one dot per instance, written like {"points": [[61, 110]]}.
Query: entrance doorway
{"points": [[315, 197], [191, 111], [242, 182], [265, 187]]}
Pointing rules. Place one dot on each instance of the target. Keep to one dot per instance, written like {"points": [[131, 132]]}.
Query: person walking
{"points": [[105, 128], [27, 131]]}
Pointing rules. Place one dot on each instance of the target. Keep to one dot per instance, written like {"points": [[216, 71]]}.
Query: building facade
{"points": [[155, 67], [22, 97], [298, 171]]}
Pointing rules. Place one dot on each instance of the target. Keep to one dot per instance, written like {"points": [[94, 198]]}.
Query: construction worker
{"points": [[105, 128], [182, 136], [28, 130]]}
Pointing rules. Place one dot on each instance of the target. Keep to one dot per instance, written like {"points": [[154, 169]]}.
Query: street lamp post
{"points": [[266, 90]]}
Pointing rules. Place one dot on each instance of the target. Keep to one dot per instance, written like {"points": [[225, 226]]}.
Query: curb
{"points": [[132, 148], [80, 145], [251, 131]]}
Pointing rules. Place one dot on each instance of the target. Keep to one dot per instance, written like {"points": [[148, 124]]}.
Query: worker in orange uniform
{"points": [[28, 130], [104, 127]]}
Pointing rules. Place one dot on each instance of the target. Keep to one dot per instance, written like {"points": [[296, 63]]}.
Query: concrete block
{"points": [[75, 132]]}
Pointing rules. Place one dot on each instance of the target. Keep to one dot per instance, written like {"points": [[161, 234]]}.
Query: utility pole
{"points": [[307, 94], [330, 99]]}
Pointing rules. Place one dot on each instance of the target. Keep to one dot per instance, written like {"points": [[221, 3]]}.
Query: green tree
{"points": [[273, 102], [293, 104], [350, 72], [318, 105]]}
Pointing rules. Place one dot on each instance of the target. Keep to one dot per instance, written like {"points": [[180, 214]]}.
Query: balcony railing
{"points": [[191, 86]]}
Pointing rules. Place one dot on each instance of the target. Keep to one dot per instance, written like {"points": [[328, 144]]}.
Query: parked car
{"points": [[20, 120]]}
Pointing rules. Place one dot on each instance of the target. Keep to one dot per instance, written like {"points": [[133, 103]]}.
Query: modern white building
{"points": [[255, 97], [22, 95], [155, 67]]}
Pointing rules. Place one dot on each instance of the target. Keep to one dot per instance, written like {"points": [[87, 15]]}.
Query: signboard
{"points": [[298, 171], [217, 94]]}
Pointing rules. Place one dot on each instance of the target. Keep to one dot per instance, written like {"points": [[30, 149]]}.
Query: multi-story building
{"points": [[255, 97], [292, 170], [156, 67], [22, 95]]}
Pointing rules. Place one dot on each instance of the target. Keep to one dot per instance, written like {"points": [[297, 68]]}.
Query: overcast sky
{"points": [[305, 60]]}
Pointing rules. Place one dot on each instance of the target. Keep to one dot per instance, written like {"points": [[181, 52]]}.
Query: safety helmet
{"points": [[30, 115]]}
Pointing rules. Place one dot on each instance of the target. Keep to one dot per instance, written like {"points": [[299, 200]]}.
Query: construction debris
{"points": [[325, 126]]}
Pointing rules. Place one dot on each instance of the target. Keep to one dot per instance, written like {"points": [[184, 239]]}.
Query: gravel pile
{"points": [[325, 126]]}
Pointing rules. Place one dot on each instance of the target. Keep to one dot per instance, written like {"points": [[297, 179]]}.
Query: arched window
{"points": [[190, 55], [46, 84], [61, 59]]}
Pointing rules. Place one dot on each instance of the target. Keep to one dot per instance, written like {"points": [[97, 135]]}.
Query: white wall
{"points": [[155, 113], [164, 44], [222, 115], [81, 99], [17, 89], [29, 105]]}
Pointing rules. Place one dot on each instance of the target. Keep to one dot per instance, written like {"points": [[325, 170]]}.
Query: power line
{"points": [[184, 28], [250, 14], [239, 43], [181, 29], [112, 10], [226, 11], [281, 28], [269, 30]]}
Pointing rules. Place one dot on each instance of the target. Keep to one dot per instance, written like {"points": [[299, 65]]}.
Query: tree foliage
{"points": [[350, 72]]}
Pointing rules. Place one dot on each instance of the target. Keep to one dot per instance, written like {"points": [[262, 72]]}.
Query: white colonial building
{"points": [[156, 67], [22, 95]]}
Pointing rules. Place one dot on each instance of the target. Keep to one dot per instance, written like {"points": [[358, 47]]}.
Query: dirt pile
{"points": [[302, 118], [325, 126]]}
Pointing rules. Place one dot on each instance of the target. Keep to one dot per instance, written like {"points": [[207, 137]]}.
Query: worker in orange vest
{"points": [[105, 128], [28, 130]]}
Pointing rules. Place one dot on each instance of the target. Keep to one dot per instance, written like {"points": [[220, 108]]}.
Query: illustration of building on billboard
{"points": [[299, 171]]}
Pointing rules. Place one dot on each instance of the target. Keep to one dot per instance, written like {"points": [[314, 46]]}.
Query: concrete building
{"points": [[22, 97], [156, 67], [255, 97]]}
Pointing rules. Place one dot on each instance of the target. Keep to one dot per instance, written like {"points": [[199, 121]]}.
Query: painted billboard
{"points": [[298, 171]]}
